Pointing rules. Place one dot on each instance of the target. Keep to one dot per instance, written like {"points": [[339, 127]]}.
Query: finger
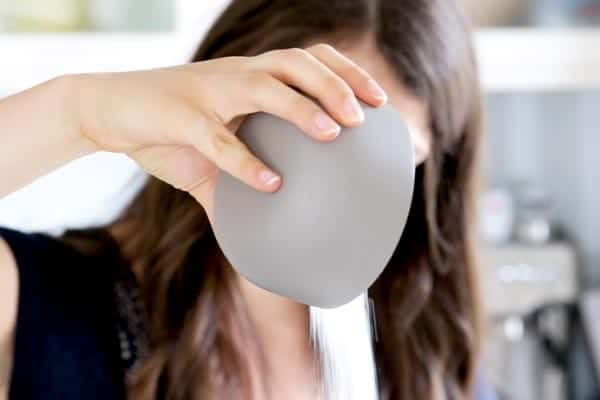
{"points": [[270, 95], [183, 167], [363, 84], [303, 70], [300, 69], [229, 154]]}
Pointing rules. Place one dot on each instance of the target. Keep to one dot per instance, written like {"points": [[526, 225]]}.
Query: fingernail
{"points": [[376, 90], [270, 178], [353, 110], [326, 125]]}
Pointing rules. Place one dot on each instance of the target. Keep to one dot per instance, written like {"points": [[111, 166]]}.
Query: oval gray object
{"points": [[331, 229]]}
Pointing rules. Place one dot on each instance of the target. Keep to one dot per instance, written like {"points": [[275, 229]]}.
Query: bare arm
{"points": [[37, 134], [9, 288], [179, 123]]}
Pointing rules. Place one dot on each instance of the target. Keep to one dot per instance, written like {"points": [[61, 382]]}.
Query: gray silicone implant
{"points": [[330, 230]]}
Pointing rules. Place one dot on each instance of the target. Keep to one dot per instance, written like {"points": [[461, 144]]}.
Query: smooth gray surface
{"points": [[329, 232]]}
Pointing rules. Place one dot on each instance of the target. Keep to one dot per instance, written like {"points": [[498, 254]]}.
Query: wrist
{"points": [[67, 99]]}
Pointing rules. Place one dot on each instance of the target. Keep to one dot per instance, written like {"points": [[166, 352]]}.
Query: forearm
{"points": [[39, 132]]}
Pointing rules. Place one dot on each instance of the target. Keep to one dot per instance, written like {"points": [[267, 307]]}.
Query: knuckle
{"points": [[248, 165], [352, 70], [258, 79], [285, 54], [277, 55], [336, 83], [289, 57], [324, 47], [298, 53], [220, 144], [296, 107], [261, 87], [243, 161]]}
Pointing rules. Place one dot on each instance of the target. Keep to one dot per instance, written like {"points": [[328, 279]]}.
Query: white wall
{"points": [[92, 190]]}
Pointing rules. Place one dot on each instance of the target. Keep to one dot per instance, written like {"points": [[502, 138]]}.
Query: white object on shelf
{"points": [[539, 59], [517, 278], [497, 216]]}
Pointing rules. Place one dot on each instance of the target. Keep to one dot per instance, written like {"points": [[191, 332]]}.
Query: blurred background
{"points": [[540, 220]]}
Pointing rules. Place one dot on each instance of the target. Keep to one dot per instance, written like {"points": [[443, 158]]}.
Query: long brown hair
{"points": [[426, 302]]}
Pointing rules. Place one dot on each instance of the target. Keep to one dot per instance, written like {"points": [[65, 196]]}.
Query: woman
{"points": [[208, 333]]}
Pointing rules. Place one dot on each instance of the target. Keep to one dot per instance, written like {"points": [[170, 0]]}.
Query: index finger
{"points": [[362, 83]]}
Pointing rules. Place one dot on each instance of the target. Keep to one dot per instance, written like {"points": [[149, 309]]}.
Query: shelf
{"points": [[526, 59], [519, 59]]}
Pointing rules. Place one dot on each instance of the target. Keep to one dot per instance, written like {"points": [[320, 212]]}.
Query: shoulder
{"points": [[43, 261], [8, 278], [9, 290], [60, 318]]}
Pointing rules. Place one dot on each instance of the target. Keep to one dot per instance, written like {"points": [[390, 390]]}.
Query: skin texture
{"points": [[163, 143], [8, 313]]}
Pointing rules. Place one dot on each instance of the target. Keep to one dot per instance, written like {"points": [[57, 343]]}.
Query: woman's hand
{"points": [[180, 123]]}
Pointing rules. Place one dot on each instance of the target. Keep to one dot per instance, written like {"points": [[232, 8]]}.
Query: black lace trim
{"points": [[130, 323], [129, 314]]}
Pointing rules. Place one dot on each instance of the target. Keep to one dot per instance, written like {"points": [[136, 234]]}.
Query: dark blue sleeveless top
{"points": [[66, 347]]}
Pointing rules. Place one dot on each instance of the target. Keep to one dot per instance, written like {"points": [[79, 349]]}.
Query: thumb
{"points": [[182, 167]]}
